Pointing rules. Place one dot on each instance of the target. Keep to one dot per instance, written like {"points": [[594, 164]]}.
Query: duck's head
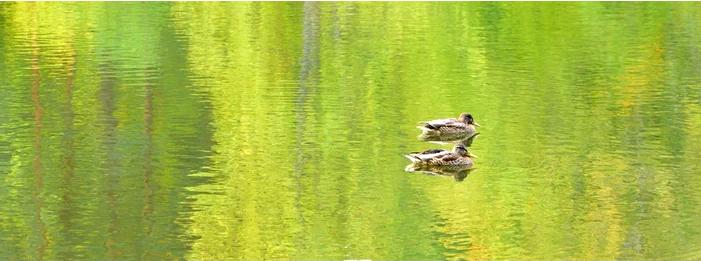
{"points": [[461, 150], [467, 119]]}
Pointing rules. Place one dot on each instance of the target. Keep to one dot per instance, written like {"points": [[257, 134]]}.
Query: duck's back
{"points": [[437, 124], [429, 154], [451, 159]]}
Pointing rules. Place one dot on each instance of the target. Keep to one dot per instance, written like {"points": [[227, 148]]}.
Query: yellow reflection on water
{"points": [[276, 130]]}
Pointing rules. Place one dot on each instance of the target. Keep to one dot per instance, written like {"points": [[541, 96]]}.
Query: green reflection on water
{"points": [[275, 130]]}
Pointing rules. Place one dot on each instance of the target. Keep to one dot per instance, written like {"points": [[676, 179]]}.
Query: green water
{"points": [[252, 131]]}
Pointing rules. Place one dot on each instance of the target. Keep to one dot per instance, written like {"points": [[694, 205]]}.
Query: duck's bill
{"points": [[472, 156], [474, 123]]}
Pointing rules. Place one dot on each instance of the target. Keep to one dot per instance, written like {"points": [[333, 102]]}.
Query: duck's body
{"points": [[449, 129], [459, 157], [450, 135]]}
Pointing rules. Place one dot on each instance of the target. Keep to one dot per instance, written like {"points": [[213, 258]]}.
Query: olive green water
{"points": [[275, 130]]}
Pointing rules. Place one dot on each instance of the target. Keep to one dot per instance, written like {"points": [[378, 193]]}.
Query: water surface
{"points": [[253, 131]]}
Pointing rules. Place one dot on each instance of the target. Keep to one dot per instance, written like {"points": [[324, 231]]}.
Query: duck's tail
{"points": [[428, 126], [413, 158], [427, 132]]}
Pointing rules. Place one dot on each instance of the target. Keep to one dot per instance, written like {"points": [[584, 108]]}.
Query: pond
{"points": [[251, 131]]}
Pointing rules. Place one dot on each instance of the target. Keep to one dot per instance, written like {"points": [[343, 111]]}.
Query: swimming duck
{"points": [[449, 129], [459, 157]]}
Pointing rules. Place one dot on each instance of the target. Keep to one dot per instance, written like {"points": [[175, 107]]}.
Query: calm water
{"points": [[276, 130]]}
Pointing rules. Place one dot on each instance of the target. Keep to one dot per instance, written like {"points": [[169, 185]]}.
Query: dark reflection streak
{"points": [[38, 175], [106, 97], [68, 161], [148, 157], [309, 66]]}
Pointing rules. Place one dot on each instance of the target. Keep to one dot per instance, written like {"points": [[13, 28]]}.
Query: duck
{"points": [[459, 157], [463, 127]]}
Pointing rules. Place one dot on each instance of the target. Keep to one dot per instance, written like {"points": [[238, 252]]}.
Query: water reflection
{"points": [[255, 131], [458, 173], [457, 139]]}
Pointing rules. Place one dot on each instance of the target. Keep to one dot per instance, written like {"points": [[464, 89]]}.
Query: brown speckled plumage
{"points": [[449, 129], [436, 157]]}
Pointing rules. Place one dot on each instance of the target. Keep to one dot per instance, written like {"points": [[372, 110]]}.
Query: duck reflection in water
{"points": [[458, 173], [467, 142]]}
